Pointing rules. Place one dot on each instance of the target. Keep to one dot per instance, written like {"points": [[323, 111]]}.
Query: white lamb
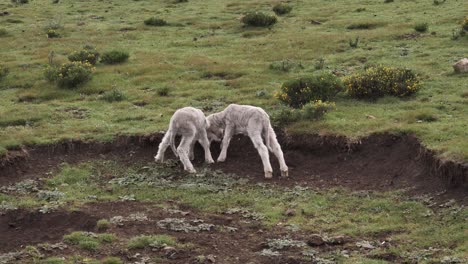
{"points": [[248, 120], [191, 124]]}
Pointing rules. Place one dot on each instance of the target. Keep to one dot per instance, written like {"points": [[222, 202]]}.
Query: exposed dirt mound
{"points": [[21, 227], [378, 162]]}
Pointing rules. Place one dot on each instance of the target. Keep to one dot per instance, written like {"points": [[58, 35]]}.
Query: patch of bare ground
{"points": [[379, 162]]}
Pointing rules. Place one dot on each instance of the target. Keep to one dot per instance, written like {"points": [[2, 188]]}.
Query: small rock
{"points": [[315, 240], [371, 117], [337, 240], [290, 212], [315, 22], [211, 258], [461, 66], [365, 244]]}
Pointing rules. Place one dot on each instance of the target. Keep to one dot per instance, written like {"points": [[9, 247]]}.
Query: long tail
{"points": [[172, 139], [266, 132]]}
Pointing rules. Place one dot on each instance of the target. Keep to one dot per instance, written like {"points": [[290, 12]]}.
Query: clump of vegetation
{"points": [[3, 72], [52, 33], [388, 1], [363, 25], [20, 2], [354, 44], [103, 224], [52, 260], [114, 57], [439, 2], [421, 27], [156, 241], [311, 111], [87, 240], [163, 91], [3, 32], [87, 54], [154, 21], [112, 260], [282, 9], [69, 75], [378, 81], [298, 92], [285, 65], [465, 24], [113, 95], [259, 19]]}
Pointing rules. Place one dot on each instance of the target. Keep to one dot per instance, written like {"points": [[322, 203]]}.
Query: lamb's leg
{"points": [[263, 152], [206, 146], [162, 148], [183, 151], [192, 146], [276, 149], [228, 133]]}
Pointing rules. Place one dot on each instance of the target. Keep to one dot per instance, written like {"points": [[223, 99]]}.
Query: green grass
{"points": [[141, 242], [174, 59], [87, 241]]}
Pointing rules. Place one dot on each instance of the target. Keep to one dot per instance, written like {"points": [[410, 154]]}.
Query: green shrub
{"points": [[69, 75], [114, 57], [298, 92], [3, 72], [378, 81], [19, 2], [113, 95], [258, 19], [282, 9], [154, 21], [52, 33], [106, 238], [3, 32], [163, 91], [421, 27], [311, 111], [112, 260], [103, 224], [156, 241], [88, 54], [89, 245], [52, 260]]}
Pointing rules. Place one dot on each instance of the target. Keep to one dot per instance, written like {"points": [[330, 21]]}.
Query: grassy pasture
{"points": [[204, 57]]}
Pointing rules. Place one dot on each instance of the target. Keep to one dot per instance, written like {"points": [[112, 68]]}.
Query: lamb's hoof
{"points": [[284, 173], [221, 159], [157, 159], [268, 174], [191, 158], [210, 161], [192, 171]]}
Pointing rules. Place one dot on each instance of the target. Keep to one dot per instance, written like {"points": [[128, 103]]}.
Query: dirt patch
{"points": [[19, 228], [378, 162]]}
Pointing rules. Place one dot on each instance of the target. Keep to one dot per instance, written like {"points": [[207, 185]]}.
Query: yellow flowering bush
{"points": [[381, 80], [88, 54], [70, 74], [298, 92]]}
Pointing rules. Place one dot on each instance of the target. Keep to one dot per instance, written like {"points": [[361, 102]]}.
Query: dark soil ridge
{"points": [[377, 162]]}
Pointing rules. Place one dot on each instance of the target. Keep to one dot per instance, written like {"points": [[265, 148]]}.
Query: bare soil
{"points": [[379, 162]]}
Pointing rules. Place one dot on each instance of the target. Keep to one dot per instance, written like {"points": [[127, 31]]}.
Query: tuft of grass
{"points": [[103, 224], [156, 22], [52, 260], [141, 242], [163, 91], [259, 19], [3, 32], [282, 9], [421, 27], [113, 95], [88, 241], [362, 25], [115, 57], [112, 260]]}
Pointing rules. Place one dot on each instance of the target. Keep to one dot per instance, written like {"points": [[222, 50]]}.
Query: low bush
{"points": [[69, 75], [259, 19], [87, 54], [378, 81], [157, 241], [421, 27], [52, 33], [282, 9], [114, 57], [3, 72], [298, 92], [103, 224], [311, 111], [113, 95], [154, 21]]}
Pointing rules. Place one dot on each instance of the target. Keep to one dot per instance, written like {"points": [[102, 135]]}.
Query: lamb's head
{"points": [[214, 128]]}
